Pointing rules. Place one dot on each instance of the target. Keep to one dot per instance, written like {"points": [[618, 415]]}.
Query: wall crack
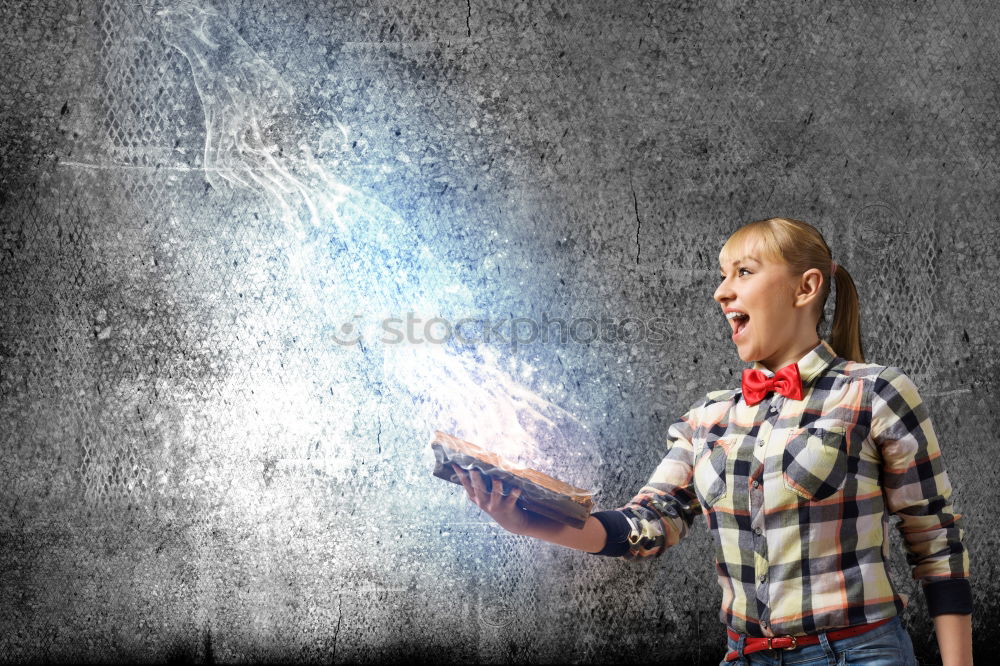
{"points": [[638, 219]]}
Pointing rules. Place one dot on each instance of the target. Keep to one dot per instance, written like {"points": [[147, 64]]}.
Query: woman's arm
{"points": [[917, 490], [590, 539], [954, 637], [655, 519]]}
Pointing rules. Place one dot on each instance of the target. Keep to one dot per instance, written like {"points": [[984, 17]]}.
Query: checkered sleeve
{"points": [[661, 513], [918, 492]]}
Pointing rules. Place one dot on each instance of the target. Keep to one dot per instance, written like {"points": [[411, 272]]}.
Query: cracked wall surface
{"points": [[195, 467]]}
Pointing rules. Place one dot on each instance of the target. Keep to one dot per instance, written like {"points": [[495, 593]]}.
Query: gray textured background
{"points": [[192, 469]]}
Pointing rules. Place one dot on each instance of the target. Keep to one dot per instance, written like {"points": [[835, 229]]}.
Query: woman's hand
{"points": [[501, 508], [504, 510]]}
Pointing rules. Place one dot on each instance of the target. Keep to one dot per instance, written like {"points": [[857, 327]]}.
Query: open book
{"points": [[540, 492]]}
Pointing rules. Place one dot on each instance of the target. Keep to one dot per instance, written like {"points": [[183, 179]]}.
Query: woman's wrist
{"points": [[589, 539], [954, 637], [538, 526]]}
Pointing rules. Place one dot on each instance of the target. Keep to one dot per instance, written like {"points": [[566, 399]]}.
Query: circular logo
{"points": [[497, 614], [347, 334]]}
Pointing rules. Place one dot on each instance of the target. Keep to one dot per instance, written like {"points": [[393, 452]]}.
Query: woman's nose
{"points": [[723, 292]]}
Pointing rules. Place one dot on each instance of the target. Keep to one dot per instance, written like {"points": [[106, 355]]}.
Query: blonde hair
{"points": [[801, 246]]}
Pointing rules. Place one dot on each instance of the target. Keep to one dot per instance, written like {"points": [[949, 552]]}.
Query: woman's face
{"points": [[764, 293]]}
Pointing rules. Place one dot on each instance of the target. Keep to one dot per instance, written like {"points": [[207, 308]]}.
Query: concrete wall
{"points": [[194, 468]]}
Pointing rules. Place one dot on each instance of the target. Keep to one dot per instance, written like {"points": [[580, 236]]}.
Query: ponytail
{"points": [[845, 336]]}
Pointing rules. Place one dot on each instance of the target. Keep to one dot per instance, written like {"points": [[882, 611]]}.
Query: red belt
{"points": [[793, 642]]}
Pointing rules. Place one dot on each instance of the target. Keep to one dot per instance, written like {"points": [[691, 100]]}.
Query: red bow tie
{"points": [[756, 385]]}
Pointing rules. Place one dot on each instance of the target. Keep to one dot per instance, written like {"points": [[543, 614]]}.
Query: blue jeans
{"points": [[888, 645]]}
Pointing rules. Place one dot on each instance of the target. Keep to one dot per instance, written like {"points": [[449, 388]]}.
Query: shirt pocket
{"points": [[814, 462], [710, 472]]}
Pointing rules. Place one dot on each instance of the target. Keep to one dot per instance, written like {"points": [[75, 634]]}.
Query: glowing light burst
{"points": [[356, 255]]}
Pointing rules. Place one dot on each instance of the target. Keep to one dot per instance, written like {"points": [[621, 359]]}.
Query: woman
{"points": [[796, 472]]}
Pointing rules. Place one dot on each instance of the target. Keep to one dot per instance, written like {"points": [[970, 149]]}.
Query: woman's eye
{"points": [[739, 271]]}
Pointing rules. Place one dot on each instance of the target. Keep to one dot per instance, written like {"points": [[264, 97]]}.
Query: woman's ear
{"points": [[809, 287]]}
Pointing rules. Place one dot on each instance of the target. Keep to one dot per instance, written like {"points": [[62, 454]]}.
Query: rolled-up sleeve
{"points": [[918, 492], [662, 512]]}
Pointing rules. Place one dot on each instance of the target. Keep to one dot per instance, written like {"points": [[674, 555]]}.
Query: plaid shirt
{"points": [[797, 494]]}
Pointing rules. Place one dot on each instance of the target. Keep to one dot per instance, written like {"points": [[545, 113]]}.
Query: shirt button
{"points": [[773, 409], [763, 577], [757, 531], [760, 442], [756, 484]]}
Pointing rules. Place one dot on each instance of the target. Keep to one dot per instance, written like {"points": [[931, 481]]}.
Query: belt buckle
{"points": [[793, 646]]}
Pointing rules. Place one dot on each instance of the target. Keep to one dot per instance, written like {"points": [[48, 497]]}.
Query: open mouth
{"points": [[739, 322]]}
